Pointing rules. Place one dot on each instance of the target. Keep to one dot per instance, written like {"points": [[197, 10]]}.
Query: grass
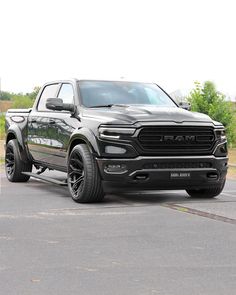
{"points": [[231, 173], [232, 160], [2, 126], [232, 156]]}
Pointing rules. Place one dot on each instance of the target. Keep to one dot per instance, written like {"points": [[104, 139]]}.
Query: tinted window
{"points": [[98, 93], [66, 93], [49, 91]]}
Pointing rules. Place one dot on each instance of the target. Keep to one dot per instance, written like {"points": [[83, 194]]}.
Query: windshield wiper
{"points": [[110, 105]]}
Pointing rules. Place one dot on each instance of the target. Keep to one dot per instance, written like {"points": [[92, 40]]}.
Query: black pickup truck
{"points": [[115, 136]]}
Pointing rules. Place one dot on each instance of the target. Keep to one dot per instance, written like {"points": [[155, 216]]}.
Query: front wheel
{"points": [[206, 193], [84, 180]]}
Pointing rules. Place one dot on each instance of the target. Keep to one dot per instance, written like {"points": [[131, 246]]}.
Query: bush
{"points": [[206, 99], [22, 101], [2, 126]]}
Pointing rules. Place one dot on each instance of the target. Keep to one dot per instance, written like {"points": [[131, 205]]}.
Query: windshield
{"points": [[106, 93]]}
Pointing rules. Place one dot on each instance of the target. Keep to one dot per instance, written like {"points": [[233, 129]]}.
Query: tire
{"points": [[84, 180], [206, 193], [14, 166]]}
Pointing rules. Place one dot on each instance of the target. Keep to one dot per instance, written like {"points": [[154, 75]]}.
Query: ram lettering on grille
{"points": [[178, 138]]}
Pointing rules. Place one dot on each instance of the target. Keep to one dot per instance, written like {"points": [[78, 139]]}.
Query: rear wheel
{"points": [[84, 180], [14, 166], [206, 192]]}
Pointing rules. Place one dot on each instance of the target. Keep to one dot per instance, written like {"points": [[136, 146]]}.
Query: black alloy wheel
{"points": [[9, 161], [76, 174], [84, 181]]}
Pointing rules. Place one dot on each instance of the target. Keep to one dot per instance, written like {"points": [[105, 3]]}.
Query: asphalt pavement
{"points": [[159, 242]]}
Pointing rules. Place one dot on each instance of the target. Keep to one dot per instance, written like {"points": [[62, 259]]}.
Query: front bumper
{"points": [[157, 173]]}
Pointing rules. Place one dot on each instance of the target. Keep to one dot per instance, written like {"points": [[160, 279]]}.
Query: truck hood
{"points": [[144, 113]]}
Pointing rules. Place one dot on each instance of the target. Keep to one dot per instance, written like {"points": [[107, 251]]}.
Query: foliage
{"points": [[206, 99], [21, 101], [2, 126], [33, 94], [4, 95]]}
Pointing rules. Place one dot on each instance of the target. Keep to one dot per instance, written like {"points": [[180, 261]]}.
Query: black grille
{"points": [[177, 140]]}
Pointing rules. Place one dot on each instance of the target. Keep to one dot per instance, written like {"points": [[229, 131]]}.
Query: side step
{"points": [[46, 178]]}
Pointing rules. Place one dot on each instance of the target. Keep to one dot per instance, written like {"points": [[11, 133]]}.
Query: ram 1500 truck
{"points": [[115, 135]]}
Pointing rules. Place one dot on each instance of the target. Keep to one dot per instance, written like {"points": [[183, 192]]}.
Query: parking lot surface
{"points": [[160, 242]]}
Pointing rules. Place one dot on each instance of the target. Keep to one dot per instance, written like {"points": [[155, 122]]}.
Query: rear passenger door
{"points": [[38, 138]]}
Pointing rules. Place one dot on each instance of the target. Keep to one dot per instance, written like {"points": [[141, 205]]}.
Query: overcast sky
{"points": [[170, 42]]}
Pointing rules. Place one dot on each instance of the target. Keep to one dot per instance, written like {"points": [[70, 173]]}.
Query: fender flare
{"points": [[15, 131], [86, 135]]}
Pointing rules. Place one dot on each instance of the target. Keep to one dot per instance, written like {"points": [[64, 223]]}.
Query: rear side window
{"points": [[66, 93], [49, 91]]}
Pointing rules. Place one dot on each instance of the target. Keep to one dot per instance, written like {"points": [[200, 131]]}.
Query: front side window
{"points": [[49, 91], [66, 93], [102, 93]]}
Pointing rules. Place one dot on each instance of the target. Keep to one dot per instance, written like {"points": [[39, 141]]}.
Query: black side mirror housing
{"points": [[185, 106], [56, 104]]}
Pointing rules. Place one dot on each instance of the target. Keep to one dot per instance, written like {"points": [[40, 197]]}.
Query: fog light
{"points": [[115, 168], [109, 149]]}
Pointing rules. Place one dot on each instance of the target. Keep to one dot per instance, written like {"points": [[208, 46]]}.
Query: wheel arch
{"points": [[14, 132], [10, 136], [84, 136]]}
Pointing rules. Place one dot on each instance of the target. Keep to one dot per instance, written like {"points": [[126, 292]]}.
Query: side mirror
{"points": [[56, 104], [185, 106]]}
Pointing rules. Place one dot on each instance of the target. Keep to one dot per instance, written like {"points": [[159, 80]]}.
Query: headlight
{"points": [[220, 135], [221, 148], [114, 133]]}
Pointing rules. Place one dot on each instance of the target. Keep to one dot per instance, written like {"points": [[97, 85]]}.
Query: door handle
{"points": [[51, 121]]}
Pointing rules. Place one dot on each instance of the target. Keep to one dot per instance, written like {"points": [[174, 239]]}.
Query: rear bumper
{"points": [[156, 173]]}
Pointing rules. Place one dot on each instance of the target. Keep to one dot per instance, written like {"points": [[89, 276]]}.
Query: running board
{"points": [[46, 178]]}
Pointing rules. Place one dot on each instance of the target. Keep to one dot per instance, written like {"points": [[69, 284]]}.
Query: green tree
{"points": [[32, 95], [206, 99], [4, 95]]}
